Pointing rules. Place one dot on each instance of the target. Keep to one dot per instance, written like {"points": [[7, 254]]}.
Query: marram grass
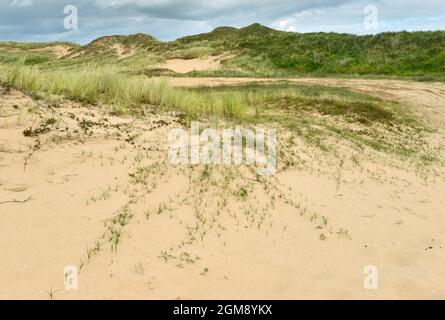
{"points": [[123, 92]]}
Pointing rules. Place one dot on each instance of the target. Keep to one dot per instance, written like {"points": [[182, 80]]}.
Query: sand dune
{"points": [[97, 192]]}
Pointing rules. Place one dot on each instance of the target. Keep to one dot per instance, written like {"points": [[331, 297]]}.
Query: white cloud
{"points": [[170, 19], [393, 15], [286, 24], [22, 3]]}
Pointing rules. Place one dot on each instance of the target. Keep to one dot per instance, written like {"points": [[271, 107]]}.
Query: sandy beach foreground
{"points": [[97, 192]]}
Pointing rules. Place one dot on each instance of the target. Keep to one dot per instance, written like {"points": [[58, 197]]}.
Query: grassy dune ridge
{"points": [[108, 86], [257, 51]]}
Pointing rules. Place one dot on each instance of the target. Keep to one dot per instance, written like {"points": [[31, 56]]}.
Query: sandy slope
{"points": [[305, 233], [188, 65], [59, 50]]}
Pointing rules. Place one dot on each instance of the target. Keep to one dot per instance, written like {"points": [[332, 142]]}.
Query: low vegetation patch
{"points": [[324, 115]]}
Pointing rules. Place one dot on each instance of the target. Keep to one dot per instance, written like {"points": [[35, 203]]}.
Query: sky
{"points": [[82, 21]]}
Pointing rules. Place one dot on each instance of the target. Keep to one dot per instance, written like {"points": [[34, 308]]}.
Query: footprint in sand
{"points": [[5, 162], [152, 283], [7, 148], [15, 187]]}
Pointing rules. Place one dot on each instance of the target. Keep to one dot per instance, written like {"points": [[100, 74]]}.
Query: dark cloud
{"points": [[42, 20]]}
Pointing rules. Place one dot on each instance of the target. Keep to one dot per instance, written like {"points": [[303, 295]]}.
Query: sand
{"points": [[122, 52], [304, 233], [59, 51], [188, 65]]}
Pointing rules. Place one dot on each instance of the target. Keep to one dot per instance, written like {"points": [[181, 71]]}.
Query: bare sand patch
{"points": [[59, 51], [121, 51], [188, 65]]}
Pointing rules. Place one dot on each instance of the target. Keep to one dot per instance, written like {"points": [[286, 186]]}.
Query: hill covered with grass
{"points": [[255, 50]]}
